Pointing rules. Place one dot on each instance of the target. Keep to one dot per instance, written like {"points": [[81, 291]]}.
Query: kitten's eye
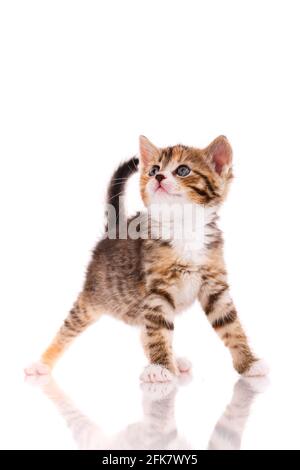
{"points": [[154, 170], [183, 170]]}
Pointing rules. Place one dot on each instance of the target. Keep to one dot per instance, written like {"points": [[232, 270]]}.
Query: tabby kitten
{"points": [[146, 281]]}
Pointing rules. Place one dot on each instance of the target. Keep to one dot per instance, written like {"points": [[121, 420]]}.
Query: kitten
{"points": [[146, 280]]}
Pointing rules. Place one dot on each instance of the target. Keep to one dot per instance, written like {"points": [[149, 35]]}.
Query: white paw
{"points": [[257, 384], [259, 368], [38, 380], [156, 373], [157, 391], [183, 364], [37, 368]]}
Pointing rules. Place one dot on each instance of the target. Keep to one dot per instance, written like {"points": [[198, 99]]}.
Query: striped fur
{"points": [[146, 282]]}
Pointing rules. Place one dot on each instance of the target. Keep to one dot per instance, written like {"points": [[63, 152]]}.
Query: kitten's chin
{"points": [[163, 197]]}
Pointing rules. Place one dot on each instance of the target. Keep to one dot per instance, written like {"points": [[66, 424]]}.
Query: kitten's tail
{"points": [[116, 188]]}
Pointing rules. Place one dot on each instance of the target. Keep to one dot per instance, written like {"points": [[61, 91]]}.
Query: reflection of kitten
{"points": [[157, 430], [227, 434], [145, 282]]}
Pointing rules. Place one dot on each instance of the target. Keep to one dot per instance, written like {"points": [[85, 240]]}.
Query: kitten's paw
{"points": [[156, 373], [157, 391], [37, 368], [259, 368], [38, 380], [256, 384], [183, 364]]}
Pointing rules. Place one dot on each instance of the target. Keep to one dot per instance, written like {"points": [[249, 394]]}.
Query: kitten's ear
{"points": [[148, 151], [219, 154]]}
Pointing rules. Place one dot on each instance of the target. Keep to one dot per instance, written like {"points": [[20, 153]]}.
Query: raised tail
{"points": [[116, 189]]}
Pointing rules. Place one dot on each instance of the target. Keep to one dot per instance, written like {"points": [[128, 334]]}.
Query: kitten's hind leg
{"points": [[80, 317]]}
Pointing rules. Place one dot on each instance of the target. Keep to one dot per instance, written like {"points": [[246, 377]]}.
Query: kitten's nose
{"points": [[160, 177]]}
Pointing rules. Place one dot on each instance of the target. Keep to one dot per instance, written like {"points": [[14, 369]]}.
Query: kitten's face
{"points": [[182, 174]]}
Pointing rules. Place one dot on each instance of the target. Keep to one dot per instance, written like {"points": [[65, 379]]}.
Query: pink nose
{"points": [[160, 177]]}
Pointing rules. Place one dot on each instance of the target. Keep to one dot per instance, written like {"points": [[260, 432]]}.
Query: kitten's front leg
{"points": [[157, 332], [221, 313]]}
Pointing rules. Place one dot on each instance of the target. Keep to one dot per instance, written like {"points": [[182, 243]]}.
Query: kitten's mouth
{"points": [[160, 188]]}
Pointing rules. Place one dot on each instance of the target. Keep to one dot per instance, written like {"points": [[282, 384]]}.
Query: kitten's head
{"points": [[183, 174]]}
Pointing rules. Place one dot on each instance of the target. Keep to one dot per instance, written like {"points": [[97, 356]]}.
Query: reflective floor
{"points": [[95, 400], [157, 429], [192, 414]]}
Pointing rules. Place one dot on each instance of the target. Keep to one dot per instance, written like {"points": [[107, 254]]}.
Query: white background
{"points": [[79, 82]]}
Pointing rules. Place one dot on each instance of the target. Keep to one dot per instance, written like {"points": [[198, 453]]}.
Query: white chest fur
{"points": [[189, 251], [195, 233], [185, 225], [187, 228], [186, 290]]}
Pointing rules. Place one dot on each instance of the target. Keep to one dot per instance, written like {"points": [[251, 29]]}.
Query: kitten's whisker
{"points": [[116, 184], [119, 179], [115, 195]]}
